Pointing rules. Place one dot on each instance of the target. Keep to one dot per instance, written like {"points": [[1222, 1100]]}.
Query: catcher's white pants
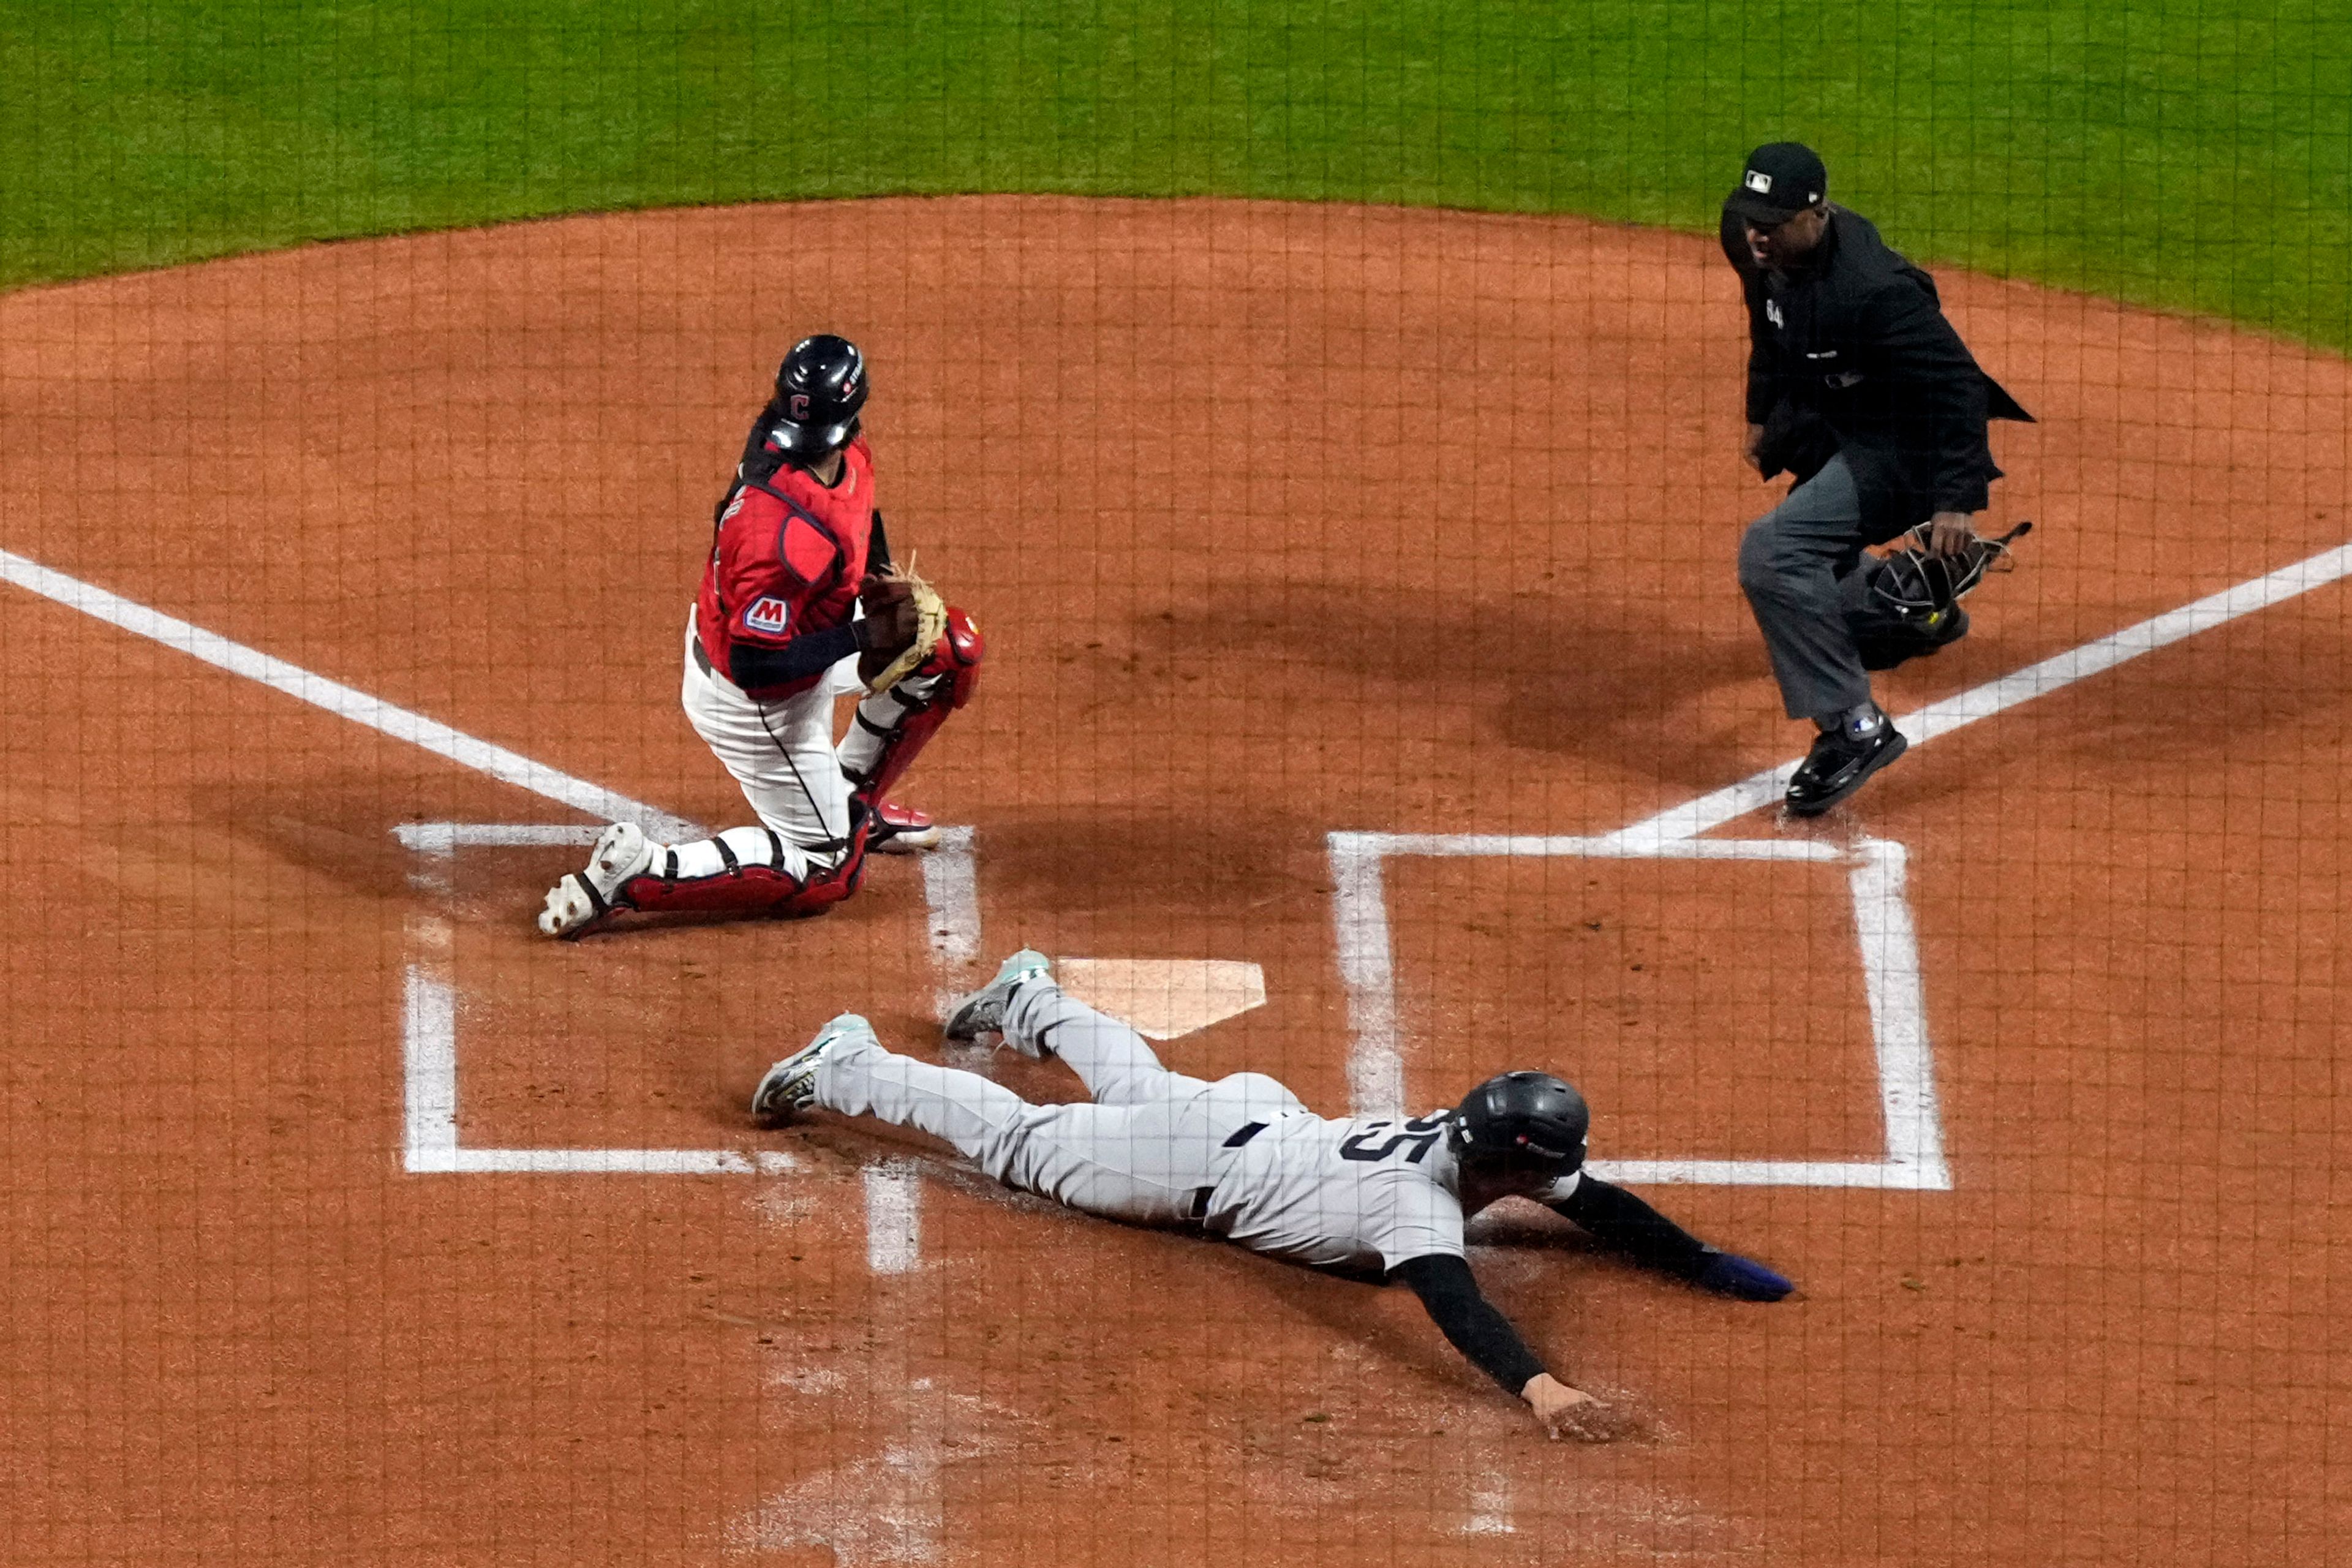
{"points": [[783, 756], [781, 753], [1139, 1152]]}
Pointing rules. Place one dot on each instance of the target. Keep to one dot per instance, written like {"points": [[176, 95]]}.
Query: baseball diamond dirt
{"points": [[1282, 521]]}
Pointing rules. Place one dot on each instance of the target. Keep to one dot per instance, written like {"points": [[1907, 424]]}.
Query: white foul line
{"points": [[1759, 790], [428, 1010], [343, 701]]}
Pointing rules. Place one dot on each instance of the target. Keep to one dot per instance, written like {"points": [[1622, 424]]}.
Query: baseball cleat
{"points": [[901, 830], [1838, 765], [585, 899], [982, 1012], [790, 1087]]}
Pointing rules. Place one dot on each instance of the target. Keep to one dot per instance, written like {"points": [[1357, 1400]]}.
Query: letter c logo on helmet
{"points": [[820, 389]]}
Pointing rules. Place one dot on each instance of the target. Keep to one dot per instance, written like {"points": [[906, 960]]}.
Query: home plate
{"points": [[1164, 997]]}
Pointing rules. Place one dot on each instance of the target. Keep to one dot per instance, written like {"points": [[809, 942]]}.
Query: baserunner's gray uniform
{"points": [[1156, 1147]]}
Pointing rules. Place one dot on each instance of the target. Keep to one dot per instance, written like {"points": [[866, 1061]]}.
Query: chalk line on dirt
{"points": [[428, 1050], [344, 702], [430, 1143], [951, 894], [1889, 950], [2093, 657], [951, 891], [894, 1219], [1885, 934]]}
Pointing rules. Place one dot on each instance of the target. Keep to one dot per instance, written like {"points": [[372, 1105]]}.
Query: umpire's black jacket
{"points": [[1853, 354]]}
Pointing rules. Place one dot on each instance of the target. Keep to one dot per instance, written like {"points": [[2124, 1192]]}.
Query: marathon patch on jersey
{"points": [[770, 615]]}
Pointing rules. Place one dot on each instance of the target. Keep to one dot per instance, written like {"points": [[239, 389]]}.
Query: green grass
{"points": [[2192, 155]]}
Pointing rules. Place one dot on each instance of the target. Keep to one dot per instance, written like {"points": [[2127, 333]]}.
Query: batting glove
{"points": [[1728, 1274]]}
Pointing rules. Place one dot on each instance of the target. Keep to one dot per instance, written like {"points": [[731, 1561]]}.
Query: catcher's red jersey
{"points": [[781, 569]]}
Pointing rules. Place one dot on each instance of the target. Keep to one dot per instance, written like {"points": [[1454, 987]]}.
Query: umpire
{"points": [[1859, 388]]}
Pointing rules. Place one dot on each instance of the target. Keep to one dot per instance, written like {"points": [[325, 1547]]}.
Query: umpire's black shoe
{"points": [[1838, 765]]}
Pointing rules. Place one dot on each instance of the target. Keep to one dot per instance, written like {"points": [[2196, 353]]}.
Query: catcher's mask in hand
{"points": [[1923, 589]]}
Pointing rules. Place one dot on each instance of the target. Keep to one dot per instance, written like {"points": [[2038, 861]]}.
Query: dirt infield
{"points": [[1282, 521]]}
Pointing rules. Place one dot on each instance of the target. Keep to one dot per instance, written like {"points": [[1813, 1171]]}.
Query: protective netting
{"points": [[1335, 418]]}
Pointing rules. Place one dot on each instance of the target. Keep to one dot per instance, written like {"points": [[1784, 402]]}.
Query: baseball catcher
{"points": [[800, 602], [1860, 389], [1242, 1159]]}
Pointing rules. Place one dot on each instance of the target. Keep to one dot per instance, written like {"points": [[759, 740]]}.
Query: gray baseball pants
{"points": [[1802, 566], [1149, 1141]]}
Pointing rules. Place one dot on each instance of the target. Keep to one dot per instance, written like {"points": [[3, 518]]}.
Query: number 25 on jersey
{"points": [[1377, 1142]]}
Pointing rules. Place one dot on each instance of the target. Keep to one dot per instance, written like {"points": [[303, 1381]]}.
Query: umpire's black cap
{"points": [[1782, 179]]}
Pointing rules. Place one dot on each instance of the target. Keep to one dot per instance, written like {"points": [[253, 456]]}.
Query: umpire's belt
{"points": [[1200, 1195]]}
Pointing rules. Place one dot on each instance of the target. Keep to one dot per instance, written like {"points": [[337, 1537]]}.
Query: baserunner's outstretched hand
{"points": [[1571, 1413]]}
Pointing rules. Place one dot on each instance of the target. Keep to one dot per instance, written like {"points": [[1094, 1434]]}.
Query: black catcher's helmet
{"points": [[1522, 1123], [820, 387], [1924, 590]]}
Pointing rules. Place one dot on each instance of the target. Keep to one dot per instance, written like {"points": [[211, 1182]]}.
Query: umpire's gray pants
{"points": [[1801, 565], [1139, 1151]]}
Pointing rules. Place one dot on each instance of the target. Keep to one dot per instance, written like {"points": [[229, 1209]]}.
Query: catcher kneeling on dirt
{"points": [[799, 605], [1242, 1158]]}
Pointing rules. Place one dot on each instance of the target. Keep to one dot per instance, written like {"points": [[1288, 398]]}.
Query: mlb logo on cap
{"points": [[1782, 179]]}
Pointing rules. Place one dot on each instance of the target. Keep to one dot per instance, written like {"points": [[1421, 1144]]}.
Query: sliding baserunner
{"points": [[1242, 1158]]}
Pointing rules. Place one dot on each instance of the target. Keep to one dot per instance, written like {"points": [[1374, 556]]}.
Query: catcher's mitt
{"points": [[881, 596], [1921, 588]]}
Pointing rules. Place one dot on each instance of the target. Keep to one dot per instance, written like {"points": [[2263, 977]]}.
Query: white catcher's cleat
{"points": [[790, 1087], [902, 830], [982, 1012], [585, 898]]}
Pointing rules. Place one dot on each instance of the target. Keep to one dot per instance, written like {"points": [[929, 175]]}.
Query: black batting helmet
{"points": [[820, 387], [1522, 1123]]}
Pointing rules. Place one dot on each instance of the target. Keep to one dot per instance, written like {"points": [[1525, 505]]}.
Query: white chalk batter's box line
{"points": [[428, 1030], [1875, 870], [430, 1007]]}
